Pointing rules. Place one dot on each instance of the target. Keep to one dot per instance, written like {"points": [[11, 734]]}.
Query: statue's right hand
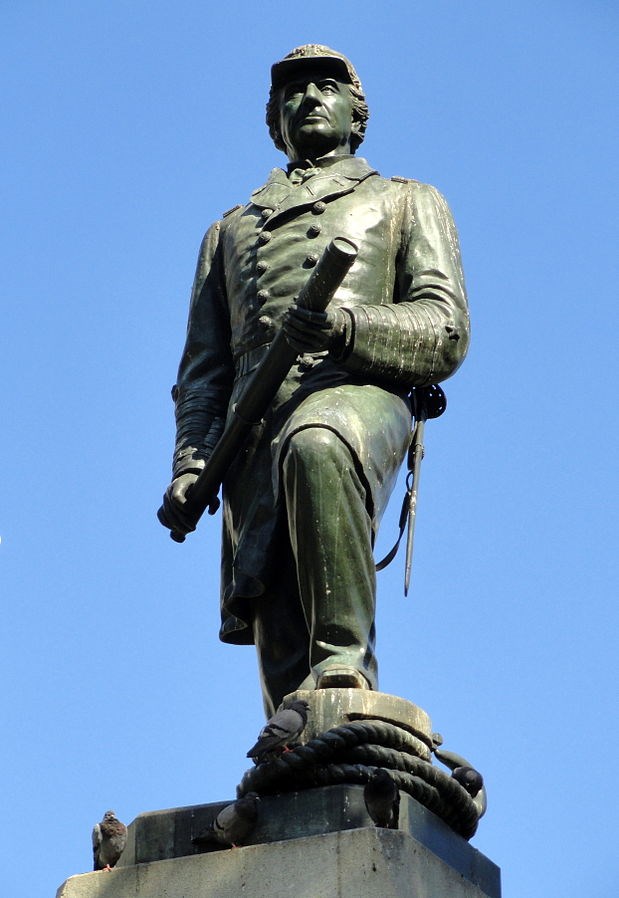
{"points": [[173, 512]]}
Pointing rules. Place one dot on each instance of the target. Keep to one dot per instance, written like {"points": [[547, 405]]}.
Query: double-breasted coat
{"points": [[407, 325]]}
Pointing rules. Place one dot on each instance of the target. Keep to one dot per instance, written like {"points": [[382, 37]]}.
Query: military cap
{"points": [[287, 67]]}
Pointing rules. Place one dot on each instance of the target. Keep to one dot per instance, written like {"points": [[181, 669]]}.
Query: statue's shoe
{"points": [[342, 678]]}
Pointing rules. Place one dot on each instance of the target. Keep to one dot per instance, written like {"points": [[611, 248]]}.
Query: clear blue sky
{"points": [[127, 129]]}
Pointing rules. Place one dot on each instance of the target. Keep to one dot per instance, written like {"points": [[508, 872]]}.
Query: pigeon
{"points": [[282, 729], [382, 799], [108, 841], [233, 823], [470, 779]]}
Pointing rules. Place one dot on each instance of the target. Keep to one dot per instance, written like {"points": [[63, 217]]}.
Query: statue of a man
{"points": [[303, 501]]}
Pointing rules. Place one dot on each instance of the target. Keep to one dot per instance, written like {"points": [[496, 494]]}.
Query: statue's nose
{"points": [[312, 94]]}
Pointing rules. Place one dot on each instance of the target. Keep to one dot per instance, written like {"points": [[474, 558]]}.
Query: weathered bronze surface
{"points": [[303, 499], [265, 381]]}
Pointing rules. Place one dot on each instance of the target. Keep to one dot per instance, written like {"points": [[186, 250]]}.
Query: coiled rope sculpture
{"points": [[350, 753]]}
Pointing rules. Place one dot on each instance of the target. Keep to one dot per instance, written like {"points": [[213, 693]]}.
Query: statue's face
{"points": [[315, 115]]}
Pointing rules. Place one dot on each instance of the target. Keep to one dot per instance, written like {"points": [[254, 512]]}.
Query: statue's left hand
{"points": [[308, 331]]}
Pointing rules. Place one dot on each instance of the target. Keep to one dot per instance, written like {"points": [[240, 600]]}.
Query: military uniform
{"points": [[407, 325]]}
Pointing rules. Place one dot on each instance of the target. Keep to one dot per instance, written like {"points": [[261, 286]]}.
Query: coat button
{"points": [[262, 296], [265, 321], [319, 207], [311, 259], [261, 266], [264, 237], [314, 230], [266, 213]]}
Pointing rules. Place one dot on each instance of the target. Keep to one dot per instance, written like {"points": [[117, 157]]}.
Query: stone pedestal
{"points": [[315, 843], [319, 843]]}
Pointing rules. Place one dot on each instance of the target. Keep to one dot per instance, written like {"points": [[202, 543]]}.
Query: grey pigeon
{"points": [[233, 823], [469, 778], [283, 728], [108, 841], [382, 799]]}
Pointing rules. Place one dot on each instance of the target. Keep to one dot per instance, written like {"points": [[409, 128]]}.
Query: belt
{"points": [[247, 361]]}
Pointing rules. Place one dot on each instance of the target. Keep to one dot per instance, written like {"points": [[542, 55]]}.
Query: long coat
{"points": [[407, 326]]}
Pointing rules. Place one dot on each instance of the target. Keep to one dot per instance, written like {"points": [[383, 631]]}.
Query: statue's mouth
{"points": [[313, 117]]}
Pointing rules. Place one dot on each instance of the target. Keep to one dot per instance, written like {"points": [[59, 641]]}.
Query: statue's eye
{"points": [[328, 87], [293, 90]]}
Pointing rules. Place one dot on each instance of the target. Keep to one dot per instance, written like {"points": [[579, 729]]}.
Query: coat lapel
{"points": [[334, 180], [274, 192]]}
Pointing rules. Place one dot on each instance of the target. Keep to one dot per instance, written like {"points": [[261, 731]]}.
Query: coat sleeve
{"points": [[206, 371], [422, 337]]}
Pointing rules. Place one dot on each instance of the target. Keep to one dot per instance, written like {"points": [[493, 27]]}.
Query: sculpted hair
{"points": [[360, 116]]}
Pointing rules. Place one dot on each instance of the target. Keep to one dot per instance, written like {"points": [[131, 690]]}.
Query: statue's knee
{"points": [[316, 444]]}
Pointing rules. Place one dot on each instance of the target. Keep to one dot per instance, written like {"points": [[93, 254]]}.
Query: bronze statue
{"points": [[303, 499]]}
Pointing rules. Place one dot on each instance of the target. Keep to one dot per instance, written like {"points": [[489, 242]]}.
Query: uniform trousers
{"points": [[318, 610]]}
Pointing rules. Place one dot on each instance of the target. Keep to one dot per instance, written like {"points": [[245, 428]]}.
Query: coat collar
{"points": [[331, 179]]}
